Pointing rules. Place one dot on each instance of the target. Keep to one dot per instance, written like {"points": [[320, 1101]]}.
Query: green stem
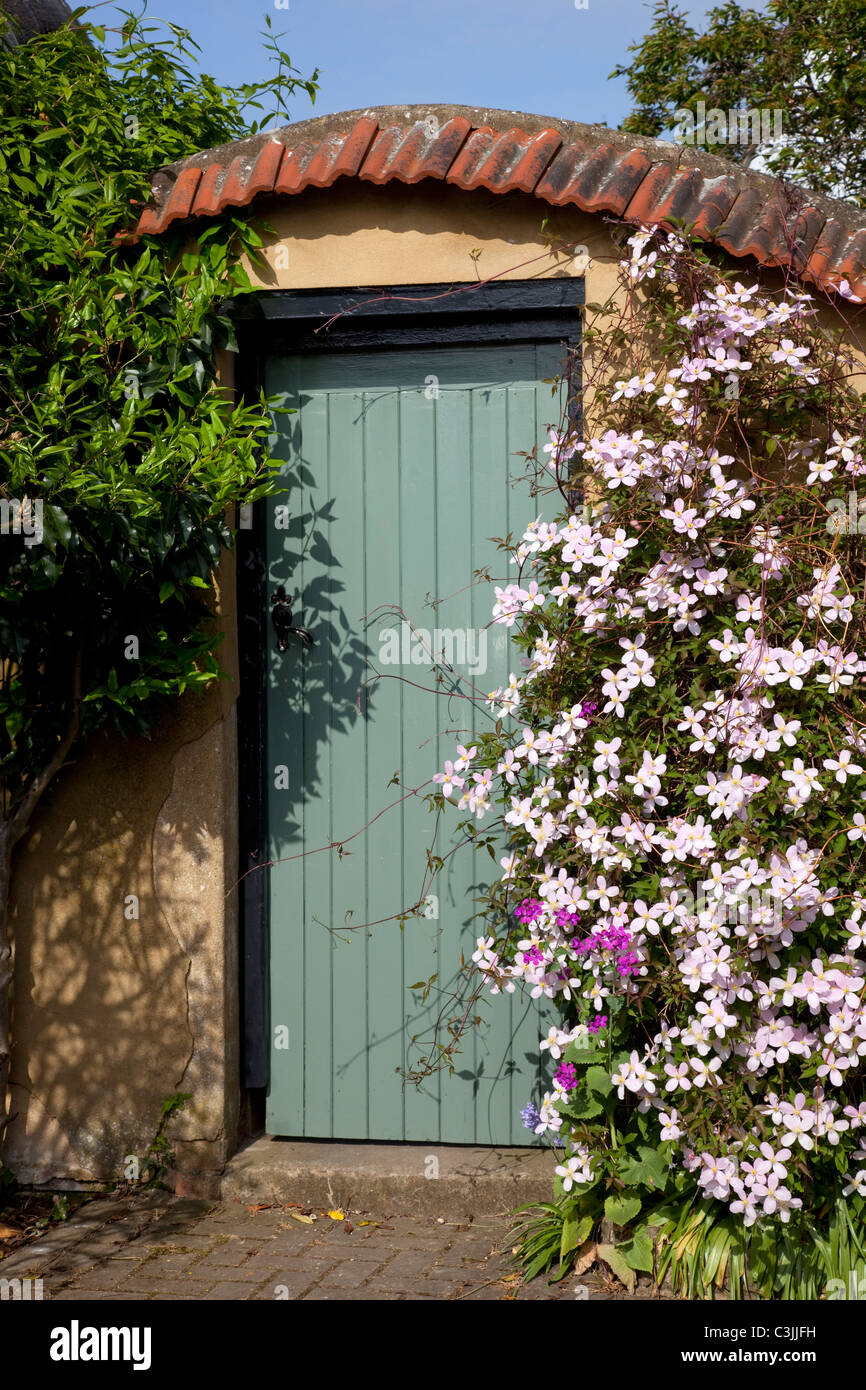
{"points": [[614, 1142]]}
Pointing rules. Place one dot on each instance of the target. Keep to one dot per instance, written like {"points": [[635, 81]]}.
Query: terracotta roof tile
{"points": [[245, 179], [178, 204], [511, 162], [422, 151], [597, 180], [588, 167], [292, 176], [341, 155], [718, 197], [853, 264], [746, 230], [207, 203], [804, 234], [667, 195]]}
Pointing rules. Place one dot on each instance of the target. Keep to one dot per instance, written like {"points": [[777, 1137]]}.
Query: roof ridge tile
{"points": [[513, 161], [593, 169], [420, 151]]}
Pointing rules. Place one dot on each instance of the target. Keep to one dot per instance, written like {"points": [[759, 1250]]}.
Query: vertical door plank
{"points": [[381, 846]]}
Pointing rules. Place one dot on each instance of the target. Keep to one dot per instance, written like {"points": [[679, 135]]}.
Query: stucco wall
{"points": [[114, 1014], [357, 233]]}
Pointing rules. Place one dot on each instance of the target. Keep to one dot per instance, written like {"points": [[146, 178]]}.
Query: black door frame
{"points": [[344, 320]]}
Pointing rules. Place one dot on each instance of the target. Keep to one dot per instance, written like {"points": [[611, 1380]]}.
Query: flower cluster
{"points": [[683, 783]]}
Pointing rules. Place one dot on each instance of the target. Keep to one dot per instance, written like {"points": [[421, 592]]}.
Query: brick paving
{"points": [[159, 1247]]}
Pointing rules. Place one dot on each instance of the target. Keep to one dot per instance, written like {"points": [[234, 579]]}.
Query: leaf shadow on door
{"points": [[317, 688]]}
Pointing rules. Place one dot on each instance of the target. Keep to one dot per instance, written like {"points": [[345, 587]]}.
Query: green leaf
{"points": [[621, 1210], [650, 1169], [598, 1079], [638, 1252], [541, 1262], [575, 1230], [618, 1263], [581, 1109], [80, 189], [14, 723]]}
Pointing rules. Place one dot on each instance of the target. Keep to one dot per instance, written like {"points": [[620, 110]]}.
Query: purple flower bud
{"points": [[566, 1076], [530, 1116]]}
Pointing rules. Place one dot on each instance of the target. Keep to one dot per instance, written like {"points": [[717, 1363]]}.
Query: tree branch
{"points": [[19, 822]]}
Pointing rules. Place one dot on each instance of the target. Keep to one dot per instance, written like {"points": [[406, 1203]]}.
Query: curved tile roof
{"points": [[563, 163]]}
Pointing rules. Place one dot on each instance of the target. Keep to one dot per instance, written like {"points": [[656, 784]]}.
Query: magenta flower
{"points": [[627, 964], [566, 1077], [564, 918], [533, 956], [528, 911]]}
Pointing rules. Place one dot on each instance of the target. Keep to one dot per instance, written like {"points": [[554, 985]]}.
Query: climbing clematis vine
{"points": [[679, 766]]}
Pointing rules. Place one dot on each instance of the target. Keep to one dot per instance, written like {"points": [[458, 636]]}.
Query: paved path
{"points": [[155, 1246]]}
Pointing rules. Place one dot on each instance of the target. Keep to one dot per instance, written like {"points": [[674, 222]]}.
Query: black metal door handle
{"points": [[281, 617]]}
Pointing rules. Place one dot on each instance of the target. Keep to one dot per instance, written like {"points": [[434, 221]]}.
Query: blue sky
{"points": [[543, 56]]}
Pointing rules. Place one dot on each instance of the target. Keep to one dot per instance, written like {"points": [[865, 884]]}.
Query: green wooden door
{"points": [[402, 465]]}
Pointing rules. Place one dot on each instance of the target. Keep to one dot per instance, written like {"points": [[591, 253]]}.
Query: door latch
{"points": [[281, 617]]}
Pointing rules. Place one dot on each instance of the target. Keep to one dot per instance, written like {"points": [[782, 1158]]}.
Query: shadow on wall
{"points": [[122, 941], [365, 234]]}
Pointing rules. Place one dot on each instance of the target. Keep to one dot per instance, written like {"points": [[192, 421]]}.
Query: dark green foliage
{"points": [[110, 415], [806, 60]]}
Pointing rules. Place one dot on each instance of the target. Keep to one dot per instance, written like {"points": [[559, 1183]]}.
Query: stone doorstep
{"points": [[389, 1178]]}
